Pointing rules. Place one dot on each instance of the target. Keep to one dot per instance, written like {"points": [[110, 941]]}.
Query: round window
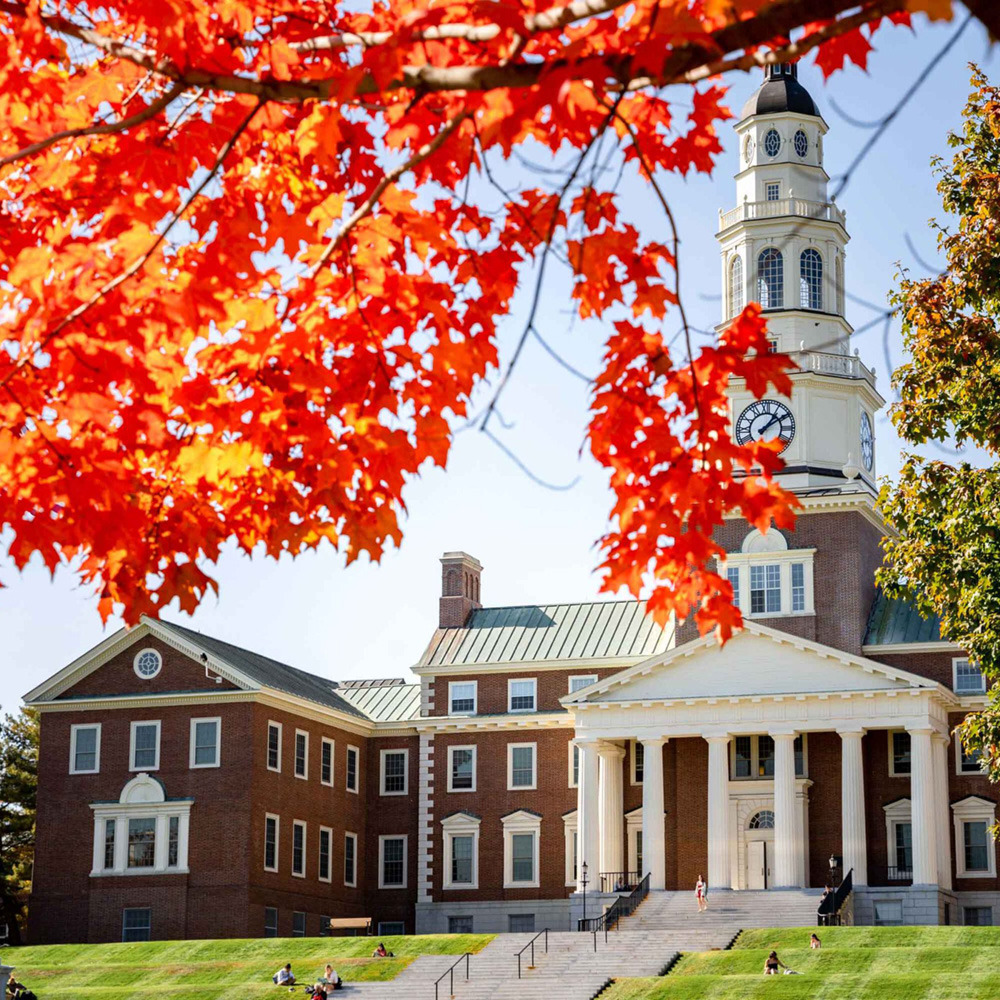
{"points": [[748, 149], [772, 142], [764, 820], [801, 143], [147, 663]]}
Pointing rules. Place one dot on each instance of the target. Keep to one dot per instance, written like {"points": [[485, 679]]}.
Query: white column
{"points": [[924, 823], [612, 808], [653, 835], [719, 875], [853, 836], [786, 825], [942, 809], [588, 815]]}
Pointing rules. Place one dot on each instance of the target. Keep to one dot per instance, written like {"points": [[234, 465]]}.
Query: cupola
{"points": [[780, 92]]}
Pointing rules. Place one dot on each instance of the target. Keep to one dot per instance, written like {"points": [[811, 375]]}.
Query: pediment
{"points": [[757, 661]]}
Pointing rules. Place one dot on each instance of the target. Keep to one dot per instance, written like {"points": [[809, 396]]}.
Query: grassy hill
{"points": [[214, 970], [855, 963]]}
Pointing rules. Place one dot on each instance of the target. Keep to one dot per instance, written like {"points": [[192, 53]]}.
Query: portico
{"points": [[752, 707]]}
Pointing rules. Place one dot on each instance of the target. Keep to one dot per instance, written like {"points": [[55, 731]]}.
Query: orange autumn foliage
{"points": [[244, 296]]}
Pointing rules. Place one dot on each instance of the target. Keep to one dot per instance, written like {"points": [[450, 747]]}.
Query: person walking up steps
{"points": [[701, 894]]}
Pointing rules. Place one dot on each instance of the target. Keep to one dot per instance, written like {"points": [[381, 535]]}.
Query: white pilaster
{"points": [[786, 825], [653, 834], [924, 823], [942, 809], [719, 874], [854, 842], [612, 808], [588, 813]]}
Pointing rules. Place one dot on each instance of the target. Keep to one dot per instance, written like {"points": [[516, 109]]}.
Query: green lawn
{"points": [[855, 963], [214, 970]]}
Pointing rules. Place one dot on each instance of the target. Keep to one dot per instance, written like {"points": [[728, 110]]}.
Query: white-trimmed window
{"points": [[579, 681], [351, 771], [899, 839], [272, 841], [736, 285], [461, 851], [393, 772], [301, 766], [324, 867], [638, 756], [765, 589], [522, 694], [392, 862], [633, 840], [462, 769], [327, 747], [967, 762], [574, 765], [571, 845], [798, 587], [733, 576], [521, 766], [521, 833], [274, 746], [768, 578], [463, 697], [144, 746], [752, 757], [772, 191], [299, 848], [975, 850], [206, 740], [900, 765], [85, 749], [147, 664], [350, 859], [968, 679]]}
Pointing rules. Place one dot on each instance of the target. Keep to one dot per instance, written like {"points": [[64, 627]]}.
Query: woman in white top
{"points": [[701, 894]]}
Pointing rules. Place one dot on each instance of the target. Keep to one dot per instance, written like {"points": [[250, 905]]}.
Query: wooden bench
{"points": [[363, 924]]}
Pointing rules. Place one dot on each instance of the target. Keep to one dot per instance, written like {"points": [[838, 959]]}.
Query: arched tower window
{"points": [[736, 286], [763, 820], [838, 275], [770, 279], [811, 279]]}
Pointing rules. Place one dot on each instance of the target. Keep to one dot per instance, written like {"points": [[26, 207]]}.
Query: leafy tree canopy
{"points": [[18, 789]]}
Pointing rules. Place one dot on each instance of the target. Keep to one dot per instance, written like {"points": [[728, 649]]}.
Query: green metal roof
{"points": [[383, 701], [574, 632], [894, 620]]}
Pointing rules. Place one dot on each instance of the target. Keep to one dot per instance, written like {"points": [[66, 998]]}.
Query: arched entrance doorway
{"points": [[759, 848]]}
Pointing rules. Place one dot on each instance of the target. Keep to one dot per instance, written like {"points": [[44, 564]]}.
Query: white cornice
{"points": [[490, 723], [526, 666], [104, 703], [892, 648]]}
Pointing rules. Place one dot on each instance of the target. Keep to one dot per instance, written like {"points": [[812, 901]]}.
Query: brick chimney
{"points": [[460, 575]]}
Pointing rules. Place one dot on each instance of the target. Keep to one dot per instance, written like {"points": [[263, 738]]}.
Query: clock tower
{"points": [[783, 245]]}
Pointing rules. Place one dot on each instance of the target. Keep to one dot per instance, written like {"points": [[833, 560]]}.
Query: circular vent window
{"points": [[147, 663], [801, 143], [772, 143]]}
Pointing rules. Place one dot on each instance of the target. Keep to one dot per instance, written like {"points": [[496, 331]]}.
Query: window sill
{"points": [[464, 887], [523, 788], [393, 794], [975, 875], [298, 874], [392, 888], [134, 872], [203, 767], [460, 791], [521, 885]]}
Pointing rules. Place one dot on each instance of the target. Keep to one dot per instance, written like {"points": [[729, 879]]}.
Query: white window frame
{"points": [[632, 762], [135, 663], [520, 822], [633, 830], [755, 757], [73, 730], [406, 770], [571, 829], [573, 750], [783, 558], [893, 773], [325, 741], [475, 767], [974, 809], [511, 681], [769, 183], [475, 697], [956, 660], [267, 745], [895, 813], [589, 678], [305, 756], [958, 761], [354, 838], [131, 744], [511, 787], [305, 847], [357, 769], [277, 841], [217, 719], [460, 824], [329, 855], [382, 884]]}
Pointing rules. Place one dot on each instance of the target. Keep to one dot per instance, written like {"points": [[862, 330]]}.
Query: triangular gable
{"points": [[758, 660]]}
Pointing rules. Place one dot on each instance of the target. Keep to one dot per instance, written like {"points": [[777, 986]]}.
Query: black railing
{"points": [[623, 906], [619, 881], [451, 975], [531, 945], [884, 874], [832, 903]]}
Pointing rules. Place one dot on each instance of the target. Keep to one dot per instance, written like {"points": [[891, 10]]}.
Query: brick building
{"points": [[191, 788]]}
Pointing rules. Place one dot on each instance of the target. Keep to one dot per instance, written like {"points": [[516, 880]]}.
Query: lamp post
{"points": [[830, 911], [583, 884]]}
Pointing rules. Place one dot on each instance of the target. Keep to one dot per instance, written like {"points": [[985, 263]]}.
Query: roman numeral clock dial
{"points": [[766, 420]]}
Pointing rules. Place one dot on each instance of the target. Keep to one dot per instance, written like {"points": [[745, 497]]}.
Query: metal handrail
{"points": [[627, 880], [828, 911], [531, 945], [623, 906], [451, 973]]}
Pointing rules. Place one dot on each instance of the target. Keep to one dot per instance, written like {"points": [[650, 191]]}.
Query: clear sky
{"points": [[536, 544]]}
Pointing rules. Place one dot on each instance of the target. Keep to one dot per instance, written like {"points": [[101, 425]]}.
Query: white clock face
{"points": [[766, 420], [867, 442]]}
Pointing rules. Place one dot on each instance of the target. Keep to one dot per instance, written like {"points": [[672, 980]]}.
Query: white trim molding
{"points": [[511, 681], [966, 692], [193, 749], [353, 837], [271, 724], [325, 742], [897, 813], [511, 787], [142, 653], [324, 832], [460, 824], [383, 838], [451, 697], [571, 831], [354, 789], [573, 764], [300, 824], [974, 809], [73, 737], [304, 775], [474, 760], [523, 822], [383, 755], [277, 841], [132, 765]]}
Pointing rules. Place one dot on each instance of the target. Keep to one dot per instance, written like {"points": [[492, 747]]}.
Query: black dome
{"points": [[780, 91]]}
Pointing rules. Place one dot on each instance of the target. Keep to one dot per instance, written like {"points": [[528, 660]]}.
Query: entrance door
{"points": [[757, 864]]}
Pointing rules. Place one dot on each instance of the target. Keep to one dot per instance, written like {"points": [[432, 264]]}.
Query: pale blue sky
{"points": [[536, 545]]}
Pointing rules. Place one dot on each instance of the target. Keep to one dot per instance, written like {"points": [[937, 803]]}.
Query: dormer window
{"points": [[768, 578]]}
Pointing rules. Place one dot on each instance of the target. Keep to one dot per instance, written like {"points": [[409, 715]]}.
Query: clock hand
{"points": [[774, 420]]}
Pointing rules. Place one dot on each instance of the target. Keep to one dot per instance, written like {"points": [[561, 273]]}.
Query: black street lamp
{"points": [[583, 884]]}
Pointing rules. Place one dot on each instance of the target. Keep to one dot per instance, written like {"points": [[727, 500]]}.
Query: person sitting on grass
{"points": [[380, 952], [285, 976], [333, 981], [814, 942], [772, 963]]}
